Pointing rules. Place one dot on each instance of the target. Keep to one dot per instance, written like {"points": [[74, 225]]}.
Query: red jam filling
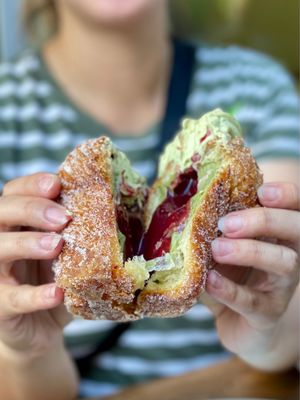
{"points": [[131, 227], [208, 132], [169, 217]]}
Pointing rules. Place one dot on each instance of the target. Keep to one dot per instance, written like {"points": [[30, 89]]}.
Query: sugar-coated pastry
{"points": [[131, 251]]}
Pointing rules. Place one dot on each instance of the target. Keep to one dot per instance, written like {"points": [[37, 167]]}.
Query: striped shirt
{"points": [[39, 125]]}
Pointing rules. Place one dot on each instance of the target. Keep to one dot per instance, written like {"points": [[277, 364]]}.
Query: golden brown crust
{"points": [[90, 267], [233, 188]]}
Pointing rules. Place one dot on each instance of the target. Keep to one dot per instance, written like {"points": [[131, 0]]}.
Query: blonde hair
{"points": [[39, 19]]}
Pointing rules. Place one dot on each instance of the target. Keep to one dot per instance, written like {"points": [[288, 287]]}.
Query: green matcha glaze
{"points": [[178, 154], [176, 158], [222, 126], [123, 172], [189, 148]]}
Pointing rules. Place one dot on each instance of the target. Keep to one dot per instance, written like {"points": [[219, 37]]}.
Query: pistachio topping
{"points": [[195, 135]]}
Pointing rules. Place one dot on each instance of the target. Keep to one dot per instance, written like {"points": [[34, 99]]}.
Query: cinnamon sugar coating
{"points": [[90, 265], [90, 268], [233, 188]]}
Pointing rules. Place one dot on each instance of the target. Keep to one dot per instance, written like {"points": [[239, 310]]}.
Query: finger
{"points": [[267, 257], [238, 298], [62, 316], [39, 184], [17, 300], [211, 303], [32, 211], [262, 221], [29, 245], [280, 195]]}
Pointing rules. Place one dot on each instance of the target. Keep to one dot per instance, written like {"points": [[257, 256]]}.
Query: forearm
{"points": [[50, 376], [282, 349]]}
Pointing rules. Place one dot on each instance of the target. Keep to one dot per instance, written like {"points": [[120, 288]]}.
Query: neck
{"points": [[124, 65]]}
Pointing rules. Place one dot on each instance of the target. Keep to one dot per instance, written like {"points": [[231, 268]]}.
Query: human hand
{"points": [[31, 314], [255, 279]]}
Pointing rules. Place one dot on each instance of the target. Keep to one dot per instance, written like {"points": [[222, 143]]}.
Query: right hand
{"points": [[32, 315]]}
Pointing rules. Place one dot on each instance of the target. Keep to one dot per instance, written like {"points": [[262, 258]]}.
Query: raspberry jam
{"points": [[169, 216], [205, 136], [131, 226]]}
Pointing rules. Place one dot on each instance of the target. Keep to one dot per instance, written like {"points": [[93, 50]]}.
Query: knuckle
{"points": [[291, 261], [257, 250], [240, 250], [6, 203], [293, 193], [13, 300], [252, 303], [266, 219], [29, 207], [232, 293], [21, 244]]}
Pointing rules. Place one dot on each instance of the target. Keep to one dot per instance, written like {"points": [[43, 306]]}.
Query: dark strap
{"points": [[178, 90], [110, 340]]}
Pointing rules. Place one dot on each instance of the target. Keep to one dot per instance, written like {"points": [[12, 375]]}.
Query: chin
{"points": [[112, 12]]}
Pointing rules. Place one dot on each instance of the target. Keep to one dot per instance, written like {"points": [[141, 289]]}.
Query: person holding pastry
{"points": [[112, 68]]}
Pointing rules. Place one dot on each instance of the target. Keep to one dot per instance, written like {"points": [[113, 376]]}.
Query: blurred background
{"points": [[271, 26]]}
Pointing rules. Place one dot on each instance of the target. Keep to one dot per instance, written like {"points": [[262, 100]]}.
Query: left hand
{"points": [[254, 279]]}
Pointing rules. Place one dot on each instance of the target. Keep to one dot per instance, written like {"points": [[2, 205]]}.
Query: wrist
{"points": [[275, 351], [26, 373], [19, 356]]}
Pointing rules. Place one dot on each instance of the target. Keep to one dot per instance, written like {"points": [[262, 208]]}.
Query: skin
{"points": [[31, 312], [127, 99], [256, 309]]}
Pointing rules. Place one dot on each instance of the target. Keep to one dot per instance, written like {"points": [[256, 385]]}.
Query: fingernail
{"points": [[56, 215], [221, 247], [50, 242], [50, 292], [230, 223], [46, 183], [268, 192], [215, 279]]}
